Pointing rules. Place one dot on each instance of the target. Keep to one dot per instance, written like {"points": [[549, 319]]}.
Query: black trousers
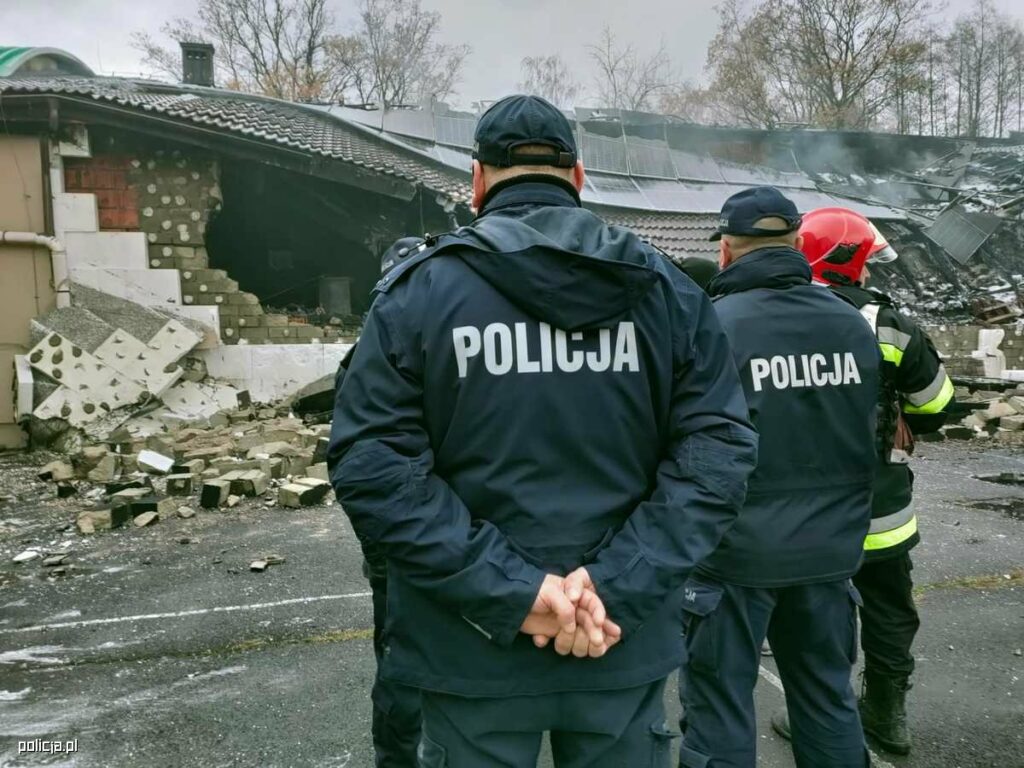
{"points": [[589, 729], [396, 708], [811, 629], [888, 618]]}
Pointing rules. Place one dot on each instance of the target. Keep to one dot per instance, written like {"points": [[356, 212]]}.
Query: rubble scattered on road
{"points": [[26, 556], [261, 564], [993, 415], [124, 478]]}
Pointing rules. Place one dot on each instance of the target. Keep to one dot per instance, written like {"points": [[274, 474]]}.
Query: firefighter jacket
{"points": [[531, 393], [809, 366], [915, 391]]}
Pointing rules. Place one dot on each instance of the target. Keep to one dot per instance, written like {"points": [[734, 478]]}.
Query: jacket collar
{"points": [[773, 267], [530, 189]]}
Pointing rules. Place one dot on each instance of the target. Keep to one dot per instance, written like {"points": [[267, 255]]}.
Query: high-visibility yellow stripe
{"points": [[891, 353], [886, 539], [937, 403]]}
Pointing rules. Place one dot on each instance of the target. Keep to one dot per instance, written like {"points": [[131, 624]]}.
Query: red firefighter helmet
{"points": [[838, 243]]}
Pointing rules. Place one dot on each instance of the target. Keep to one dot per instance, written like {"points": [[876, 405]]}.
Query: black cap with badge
{"points": [[518, 121], [743, 210]]}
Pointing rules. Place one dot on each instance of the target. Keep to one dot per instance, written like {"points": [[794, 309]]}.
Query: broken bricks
{"points": [[180, 485], [57, 471], [252, 482], [263, 563], [154, 463], [303, 492], [146, 518], [214, 493]]}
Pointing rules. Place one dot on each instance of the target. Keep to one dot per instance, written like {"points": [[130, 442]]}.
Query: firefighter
{"points": [[809, 367], [544, 431], [395, 723], [914, 397]]}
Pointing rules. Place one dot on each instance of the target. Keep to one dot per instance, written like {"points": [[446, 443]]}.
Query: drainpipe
{"points": [[58, 257]]}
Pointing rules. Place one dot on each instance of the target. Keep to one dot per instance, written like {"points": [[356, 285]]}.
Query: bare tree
{"points": [[823, 62], [291, 49], [691, 103], [394, 56], [550, 78], [625, 80], [273, 47]]}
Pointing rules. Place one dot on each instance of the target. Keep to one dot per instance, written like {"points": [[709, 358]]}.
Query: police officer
{"points": [[809, 366], [914, 398], [543, 429], [396, 707]]}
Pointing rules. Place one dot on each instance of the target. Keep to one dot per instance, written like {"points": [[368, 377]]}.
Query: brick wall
{"points": [[107, 177]]}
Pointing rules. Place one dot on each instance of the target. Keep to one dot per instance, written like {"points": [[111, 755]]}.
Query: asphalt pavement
{"points": [[159, 647]]}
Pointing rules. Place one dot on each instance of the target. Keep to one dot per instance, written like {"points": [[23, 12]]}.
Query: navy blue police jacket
{"points": [[810, 367], [531, 393]]}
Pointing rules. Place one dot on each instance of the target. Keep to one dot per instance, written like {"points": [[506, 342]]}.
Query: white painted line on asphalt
{"points": [[772, 678], [183, 614]]}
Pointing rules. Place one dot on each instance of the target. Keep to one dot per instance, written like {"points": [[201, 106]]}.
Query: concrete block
{"points": [[146, 518], [278, 448], [296, 465], [208, 454], [214, 493], [319, 472], [95, 520], [998, 409], [191, 467], [180, 485], [106, 469], [56, 471], [1012, 423], [154, 463], [251, 482], [297, 495]]}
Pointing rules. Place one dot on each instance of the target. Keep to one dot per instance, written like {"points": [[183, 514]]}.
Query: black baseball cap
{"points": [[743, 210], [520, 120]]}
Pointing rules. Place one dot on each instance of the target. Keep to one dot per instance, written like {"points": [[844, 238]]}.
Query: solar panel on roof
{"points": [[649, 157], [689, 165], [601, 153], [411, 122], [457, 131], [961, 233]]}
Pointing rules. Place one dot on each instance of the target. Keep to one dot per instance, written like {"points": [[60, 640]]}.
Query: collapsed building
{"points": [[169, 248]]}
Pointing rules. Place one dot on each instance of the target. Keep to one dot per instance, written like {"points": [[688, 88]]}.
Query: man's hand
{"points": [[552, 612]]}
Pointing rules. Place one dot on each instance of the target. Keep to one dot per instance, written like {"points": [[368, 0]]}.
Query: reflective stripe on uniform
{"points": [[892, 537], [933, 398], [891, 354], [897, 338], [890, 341], [889, 522]]}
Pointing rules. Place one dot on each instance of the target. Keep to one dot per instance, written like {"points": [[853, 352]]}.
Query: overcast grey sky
{"points": [[501, 32]]}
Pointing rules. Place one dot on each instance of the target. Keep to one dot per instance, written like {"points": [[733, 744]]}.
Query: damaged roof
{"points": [[268, 120]]}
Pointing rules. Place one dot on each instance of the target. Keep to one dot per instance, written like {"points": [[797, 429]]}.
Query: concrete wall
{"points": [[26, 277]]}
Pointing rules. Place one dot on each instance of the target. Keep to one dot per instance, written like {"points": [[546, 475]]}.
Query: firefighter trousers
{"points": [[888, 618]]}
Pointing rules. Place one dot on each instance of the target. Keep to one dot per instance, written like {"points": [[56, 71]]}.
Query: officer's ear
{"points": [[724, 254], [798, 244], [578, 176], [479, 189]]}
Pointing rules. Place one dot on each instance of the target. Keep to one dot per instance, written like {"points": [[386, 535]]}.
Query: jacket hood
{"points": [[777, 268], [555, 260]]}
